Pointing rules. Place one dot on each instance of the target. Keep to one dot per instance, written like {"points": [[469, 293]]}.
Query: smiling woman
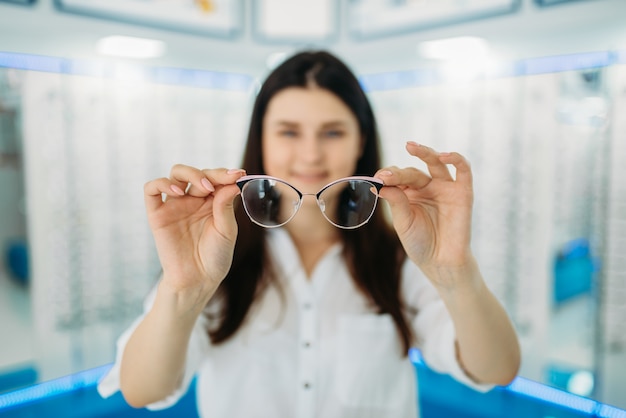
{"points": [[328, 314], [310, 137]]}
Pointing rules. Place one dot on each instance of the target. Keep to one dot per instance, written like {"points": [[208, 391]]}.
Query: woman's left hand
{"points": [[432, 214]]}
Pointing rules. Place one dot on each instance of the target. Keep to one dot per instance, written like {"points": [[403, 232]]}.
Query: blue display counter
{"points": [[75, 396]]}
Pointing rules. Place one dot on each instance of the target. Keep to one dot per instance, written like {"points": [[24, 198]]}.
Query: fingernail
{"points": [[235, 171], [385, 173], [207, 185], [177, 190], [413, 143], [444, 154]]}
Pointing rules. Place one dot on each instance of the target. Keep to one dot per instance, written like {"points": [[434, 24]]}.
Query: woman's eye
{"points": [[288, 133], [333, 134]]}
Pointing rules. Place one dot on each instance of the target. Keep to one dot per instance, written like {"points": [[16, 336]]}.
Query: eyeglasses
{"points": [[347, 203]]}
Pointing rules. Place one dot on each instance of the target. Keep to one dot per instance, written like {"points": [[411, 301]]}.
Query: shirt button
{"points": [[307, 306], [306, 344], [307, 385]]}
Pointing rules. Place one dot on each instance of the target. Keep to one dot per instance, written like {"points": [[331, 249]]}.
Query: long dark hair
{"points": [[375, 268]]}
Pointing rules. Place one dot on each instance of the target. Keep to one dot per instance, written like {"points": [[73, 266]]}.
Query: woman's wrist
{"points": [[463, 277], [188, 302]]}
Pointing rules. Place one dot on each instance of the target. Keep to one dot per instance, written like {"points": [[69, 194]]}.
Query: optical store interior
{"points": [[98, 97]]}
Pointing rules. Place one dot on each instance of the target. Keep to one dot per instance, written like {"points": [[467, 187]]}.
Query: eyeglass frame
{"points": [[376, 183]]}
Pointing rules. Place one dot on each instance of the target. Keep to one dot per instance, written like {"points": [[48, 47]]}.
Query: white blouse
{"points": [[319, 350]]}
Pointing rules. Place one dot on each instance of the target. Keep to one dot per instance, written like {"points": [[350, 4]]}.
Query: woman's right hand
{"points": [[194, 227]]}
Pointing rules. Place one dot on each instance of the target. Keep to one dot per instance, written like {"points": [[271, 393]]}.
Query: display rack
{"points": [[368, 19], [217, 18]]}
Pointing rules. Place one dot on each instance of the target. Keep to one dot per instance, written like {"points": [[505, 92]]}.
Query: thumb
{"points": [[399, 206], [224, 211]]}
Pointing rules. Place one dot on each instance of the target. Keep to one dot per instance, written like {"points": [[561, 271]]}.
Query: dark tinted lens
{"points": [[350, 203], [268, 202]]}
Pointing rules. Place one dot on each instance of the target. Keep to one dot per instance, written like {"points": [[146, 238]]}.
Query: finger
{"points": [[223, 176], [410, 177], [223, 210], [436, 167], [460, 163], [216, 177], [192, 180], [399, 205], [155, 189], [200, 183]]}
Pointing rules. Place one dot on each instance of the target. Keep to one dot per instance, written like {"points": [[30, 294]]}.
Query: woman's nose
{"points": [[311, 148]]}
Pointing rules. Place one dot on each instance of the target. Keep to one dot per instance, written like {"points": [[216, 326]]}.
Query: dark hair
{"points": [[376, 269]]}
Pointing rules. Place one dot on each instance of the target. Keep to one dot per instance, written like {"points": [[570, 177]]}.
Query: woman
{"points": [[282, 305]]}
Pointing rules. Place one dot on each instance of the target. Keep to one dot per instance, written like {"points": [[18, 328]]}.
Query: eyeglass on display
{"points": [[347, 203]]}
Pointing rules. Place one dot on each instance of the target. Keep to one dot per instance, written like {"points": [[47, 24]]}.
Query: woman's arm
{"points": [[487, 344], [195, 231], [153, 361], [432, 215]]}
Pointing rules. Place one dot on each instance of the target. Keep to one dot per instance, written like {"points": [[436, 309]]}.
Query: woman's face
{"points": [[310, 138]]}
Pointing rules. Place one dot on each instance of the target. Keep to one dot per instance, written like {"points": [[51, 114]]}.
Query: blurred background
{"points": [[97, 97]]}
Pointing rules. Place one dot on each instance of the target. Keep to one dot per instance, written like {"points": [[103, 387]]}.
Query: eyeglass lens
{"points": [[262, 199], [346, 204]]}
